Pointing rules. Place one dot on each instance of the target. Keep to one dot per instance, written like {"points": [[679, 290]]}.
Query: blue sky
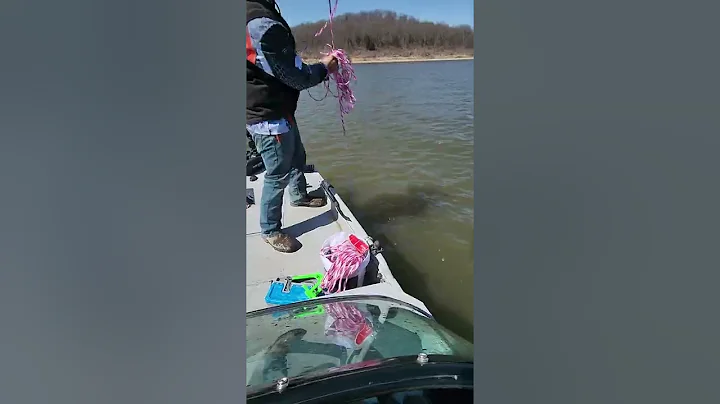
{"points": [[453, 12]]}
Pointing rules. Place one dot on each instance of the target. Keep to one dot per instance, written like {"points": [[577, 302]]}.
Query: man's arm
{"points": [[270, 42]]}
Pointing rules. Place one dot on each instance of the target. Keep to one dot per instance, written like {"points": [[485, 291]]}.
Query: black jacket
{"points": [[268, 98]]}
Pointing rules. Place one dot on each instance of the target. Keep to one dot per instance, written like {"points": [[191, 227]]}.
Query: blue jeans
{"points": [[284, 158]]}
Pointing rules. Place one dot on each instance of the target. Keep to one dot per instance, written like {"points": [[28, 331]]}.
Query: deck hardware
{"points": [[329, 192], [281, 384], [422, 358], [288, 285], [375, 247]]}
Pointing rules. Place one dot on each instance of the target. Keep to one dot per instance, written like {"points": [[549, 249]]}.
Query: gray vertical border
{"points": [[243, 247], [477, 250], [122, 211], [596, 189]]}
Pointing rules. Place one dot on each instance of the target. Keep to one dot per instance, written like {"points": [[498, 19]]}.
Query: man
{"points": [[275, 77]]}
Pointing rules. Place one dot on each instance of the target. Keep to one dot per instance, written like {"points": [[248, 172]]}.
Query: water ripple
{"points": [[406, 168]]}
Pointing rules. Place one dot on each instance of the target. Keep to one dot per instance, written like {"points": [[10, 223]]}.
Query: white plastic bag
{"points": [[338, 239]]}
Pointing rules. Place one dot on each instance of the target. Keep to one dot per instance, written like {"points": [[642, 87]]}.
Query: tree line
{"points": [[384, 32]]}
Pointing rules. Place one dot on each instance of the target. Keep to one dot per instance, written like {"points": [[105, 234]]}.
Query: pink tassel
{"points": [[345, 73], [346, 260]]}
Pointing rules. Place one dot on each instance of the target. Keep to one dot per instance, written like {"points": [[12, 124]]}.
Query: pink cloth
{"points": [[345, 73]]}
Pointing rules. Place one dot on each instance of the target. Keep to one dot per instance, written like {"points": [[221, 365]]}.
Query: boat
{"points": [[393, 350]]}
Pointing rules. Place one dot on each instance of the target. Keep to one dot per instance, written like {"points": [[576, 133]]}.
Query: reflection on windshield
{"points": [[321, 335]]}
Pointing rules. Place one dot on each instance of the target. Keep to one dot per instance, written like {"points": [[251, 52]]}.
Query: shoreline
{"points": [[361, 60]]}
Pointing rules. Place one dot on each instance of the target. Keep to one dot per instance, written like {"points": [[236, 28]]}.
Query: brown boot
{"points": [[282, 242], [310, 202]]}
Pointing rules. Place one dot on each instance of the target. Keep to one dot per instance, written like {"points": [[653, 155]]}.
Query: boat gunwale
{"points": [[344, 212]]}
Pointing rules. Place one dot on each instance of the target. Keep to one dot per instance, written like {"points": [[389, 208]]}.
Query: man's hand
{"points": [[330, 62]]}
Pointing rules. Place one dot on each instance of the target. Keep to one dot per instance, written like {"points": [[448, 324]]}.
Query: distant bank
{"points": [[361, 60], [400, 57]]}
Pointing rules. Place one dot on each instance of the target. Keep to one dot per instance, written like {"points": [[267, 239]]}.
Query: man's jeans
{"points": [[284, 158]]}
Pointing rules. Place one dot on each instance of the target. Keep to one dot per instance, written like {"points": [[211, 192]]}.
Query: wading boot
{"points": [[311, 201], [282, 242]]}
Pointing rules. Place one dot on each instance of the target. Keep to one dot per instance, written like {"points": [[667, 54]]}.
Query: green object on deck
{"points": [[310, 291]]}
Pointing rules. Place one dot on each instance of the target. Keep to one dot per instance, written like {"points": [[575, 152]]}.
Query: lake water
{"points": [[405, 168]]}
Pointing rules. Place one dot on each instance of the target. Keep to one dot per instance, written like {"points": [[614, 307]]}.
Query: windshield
{"points": [[290, 341]]}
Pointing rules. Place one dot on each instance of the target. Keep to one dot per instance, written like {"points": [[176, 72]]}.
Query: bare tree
{"points": [[386, 32]]}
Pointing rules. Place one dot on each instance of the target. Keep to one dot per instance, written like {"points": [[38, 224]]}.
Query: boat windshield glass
{"points": [[290, 341]]}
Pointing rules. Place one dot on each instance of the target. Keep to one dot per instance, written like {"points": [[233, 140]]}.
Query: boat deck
{"points": [[311, 226]]}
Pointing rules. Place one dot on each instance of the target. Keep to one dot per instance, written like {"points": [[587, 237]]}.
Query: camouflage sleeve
{"points": [[274, 54]]}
